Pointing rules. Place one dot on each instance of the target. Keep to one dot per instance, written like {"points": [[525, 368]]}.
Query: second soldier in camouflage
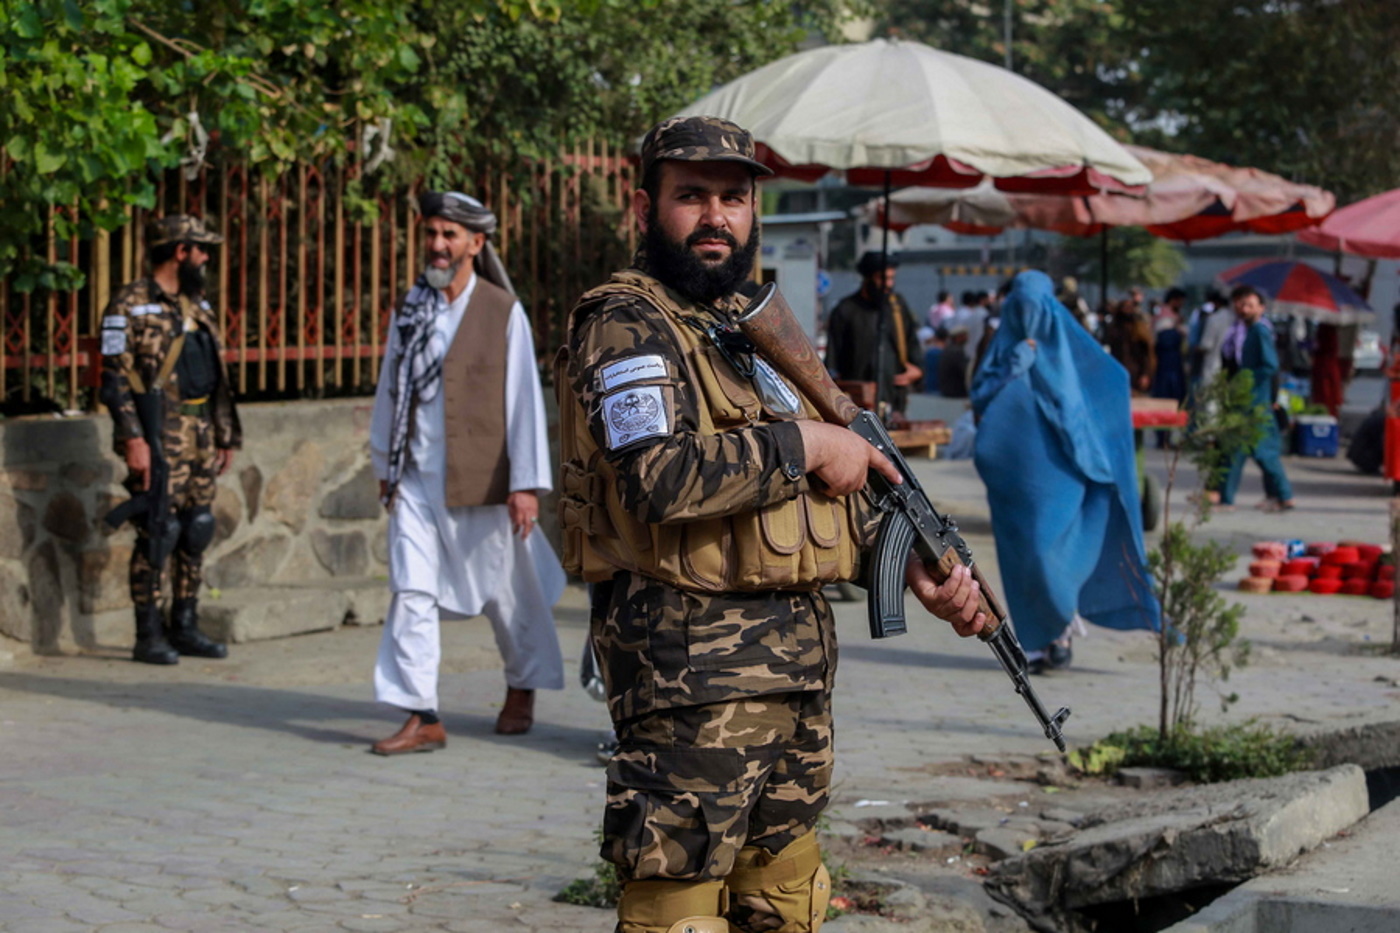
{"points": [[160, 345]]}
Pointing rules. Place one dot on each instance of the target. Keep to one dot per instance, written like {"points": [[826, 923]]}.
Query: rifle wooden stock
{"points": [[769, 323]]}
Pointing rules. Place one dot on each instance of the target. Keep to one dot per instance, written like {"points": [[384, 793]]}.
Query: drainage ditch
{"points": [[1151, 915], [946, 836]]}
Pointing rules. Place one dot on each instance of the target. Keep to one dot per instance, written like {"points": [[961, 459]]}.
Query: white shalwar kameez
{"points": [[466, 561]]}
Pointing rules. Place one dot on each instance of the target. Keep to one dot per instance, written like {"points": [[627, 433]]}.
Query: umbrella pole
{"points": [[882, 406], [1103, 270]]}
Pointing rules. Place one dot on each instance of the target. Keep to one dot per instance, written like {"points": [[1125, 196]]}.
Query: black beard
{"points": [[191, 278], [674, 263]]}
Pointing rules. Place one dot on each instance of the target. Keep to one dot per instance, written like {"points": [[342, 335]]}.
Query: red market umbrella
{"points": [[1369, 228], [1301, 290], [1189, 198]]}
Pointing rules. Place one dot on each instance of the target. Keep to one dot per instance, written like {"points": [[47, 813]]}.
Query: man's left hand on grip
{"points": [[955, 600]]}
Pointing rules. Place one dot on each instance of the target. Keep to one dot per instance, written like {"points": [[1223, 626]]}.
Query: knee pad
{"points": [[664, 906], [163, 543], [196, 529], [785, 893]]}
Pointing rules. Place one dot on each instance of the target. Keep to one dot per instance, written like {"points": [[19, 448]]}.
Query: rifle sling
{"points": [[177, 345]]}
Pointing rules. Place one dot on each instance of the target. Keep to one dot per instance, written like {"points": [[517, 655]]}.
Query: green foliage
{"points": [[602, 889], [1074, 47], [1201, 630], [1226, 419], [1135, 257], [495, 88], [98, 98], [1219, 753], [1100, 758], [72, 132], [1305, 89]]}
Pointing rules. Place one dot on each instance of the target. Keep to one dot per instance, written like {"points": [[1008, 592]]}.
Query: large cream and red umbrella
{"points": [[895, 113], [1369, 228], [889, 112]]}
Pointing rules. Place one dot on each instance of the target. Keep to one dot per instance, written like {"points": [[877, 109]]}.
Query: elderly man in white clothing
{"points": [[459, 443]]}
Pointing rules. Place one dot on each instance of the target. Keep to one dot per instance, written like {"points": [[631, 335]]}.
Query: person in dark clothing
{"points": [[952, 365], [1129, 339], [933, 354], [1169, 381], [853, 345]]}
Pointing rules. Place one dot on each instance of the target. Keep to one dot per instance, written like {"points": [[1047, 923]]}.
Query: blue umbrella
{"points": [[1302, 290]]}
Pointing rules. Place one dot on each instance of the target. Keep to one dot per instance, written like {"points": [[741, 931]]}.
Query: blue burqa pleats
{"points": [[1055, 449]]}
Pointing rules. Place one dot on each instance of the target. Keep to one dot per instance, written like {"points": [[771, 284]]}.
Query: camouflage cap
{"points": [[699, 139], [179, 228]]}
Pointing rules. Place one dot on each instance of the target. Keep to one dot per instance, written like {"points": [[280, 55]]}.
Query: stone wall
{"points": [[299, 506]]}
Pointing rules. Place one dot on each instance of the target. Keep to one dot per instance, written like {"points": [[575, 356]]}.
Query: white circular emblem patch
{"points": [[634, 413]]}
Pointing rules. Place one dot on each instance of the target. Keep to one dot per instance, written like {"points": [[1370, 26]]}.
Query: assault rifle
{"points": [[153, 503], [910, 522]]}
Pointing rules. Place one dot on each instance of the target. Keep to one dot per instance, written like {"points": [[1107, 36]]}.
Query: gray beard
{"points": [[440, 278]]}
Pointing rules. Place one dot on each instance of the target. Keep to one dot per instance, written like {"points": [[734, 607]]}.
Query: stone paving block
{"points": [[253, 613], [95, 911], [1002, 843], [314, 894], [20, 910], [1062, 815], [371, 923], [45, 925], [968, 822], [923, 840], [1151, 778]]}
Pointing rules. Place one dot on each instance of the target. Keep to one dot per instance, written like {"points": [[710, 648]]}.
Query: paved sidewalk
{"points": [[239, 795]]}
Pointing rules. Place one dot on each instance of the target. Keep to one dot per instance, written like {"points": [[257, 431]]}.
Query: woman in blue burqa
{"points": [[1055, 449]]}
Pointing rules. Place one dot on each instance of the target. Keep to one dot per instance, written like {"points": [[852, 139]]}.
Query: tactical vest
{"points": [[798, 544]]}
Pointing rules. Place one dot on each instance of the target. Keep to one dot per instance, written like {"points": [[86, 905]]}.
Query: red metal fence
{"points": [[310, 273]]}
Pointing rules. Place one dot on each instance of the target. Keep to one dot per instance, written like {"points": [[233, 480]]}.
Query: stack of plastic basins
{"points": [[1351, 568]]}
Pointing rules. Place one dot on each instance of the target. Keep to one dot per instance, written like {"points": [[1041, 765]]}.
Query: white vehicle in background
{"points": [[1369, 355]]}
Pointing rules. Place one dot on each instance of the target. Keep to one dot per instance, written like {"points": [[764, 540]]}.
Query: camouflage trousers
{"points": [[189, 449], [689, 787]]}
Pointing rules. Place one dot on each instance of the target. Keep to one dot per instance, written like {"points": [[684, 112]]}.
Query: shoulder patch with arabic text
{"points": [[647, 368]]}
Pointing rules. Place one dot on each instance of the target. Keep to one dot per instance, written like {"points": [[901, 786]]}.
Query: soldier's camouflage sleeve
{"points": [[118, 349], [627, 370]]}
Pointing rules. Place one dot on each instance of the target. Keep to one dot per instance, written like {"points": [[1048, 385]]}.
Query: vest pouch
{"points": [[833, 527], [706, 551], [732, 400], [571, 535], [768, 546]]}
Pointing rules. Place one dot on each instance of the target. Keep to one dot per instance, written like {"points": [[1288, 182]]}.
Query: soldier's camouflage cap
{"points": [[180, 228], [699, 139]]}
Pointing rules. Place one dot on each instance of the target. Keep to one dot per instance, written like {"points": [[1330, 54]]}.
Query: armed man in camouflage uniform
{"points": [[707, 504], [160, 344]]}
